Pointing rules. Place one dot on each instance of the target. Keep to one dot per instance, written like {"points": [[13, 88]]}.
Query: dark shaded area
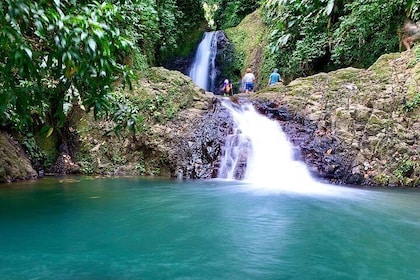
{"points": [[198, 156], [223, 62]]}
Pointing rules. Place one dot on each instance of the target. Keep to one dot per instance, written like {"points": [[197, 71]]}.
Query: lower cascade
{"points": [[259, 146]]}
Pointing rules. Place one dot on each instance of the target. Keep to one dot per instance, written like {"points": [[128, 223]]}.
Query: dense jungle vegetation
{"points": [[58, 54], [310, 36]]}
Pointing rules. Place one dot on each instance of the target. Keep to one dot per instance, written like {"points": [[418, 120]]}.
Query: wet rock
{"points": [[223, 61], [354, 179]]}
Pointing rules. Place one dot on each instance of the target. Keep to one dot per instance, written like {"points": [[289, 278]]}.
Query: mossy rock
{"points": [[349, 74], [381, 179], [159, 96], [249, 39], [382, 68], [14, 163]]}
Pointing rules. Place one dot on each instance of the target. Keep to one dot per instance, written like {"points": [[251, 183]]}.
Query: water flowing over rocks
{"points": [[352, 125], [223, 61]]}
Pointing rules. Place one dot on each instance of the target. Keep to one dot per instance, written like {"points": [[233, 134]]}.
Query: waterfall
{"points": [[259, 145], [203, 71]]}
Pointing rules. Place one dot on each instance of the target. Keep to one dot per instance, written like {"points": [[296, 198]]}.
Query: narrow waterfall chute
{"points": [[202, 70]]}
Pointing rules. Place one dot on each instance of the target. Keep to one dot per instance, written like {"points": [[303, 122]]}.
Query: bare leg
{"points": [[407, 43]]}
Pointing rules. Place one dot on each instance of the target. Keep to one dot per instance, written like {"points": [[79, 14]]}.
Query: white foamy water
{"points": [[202, 68], [269, 156]]}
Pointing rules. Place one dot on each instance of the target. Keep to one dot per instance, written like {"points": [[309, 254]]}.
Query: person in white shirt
{"points": [[248, 80]]}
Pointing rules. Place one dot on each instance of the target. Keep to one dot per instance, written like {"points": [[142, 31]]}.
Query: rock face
{"points": [[195, 154], [181, 64], [14, 163], [354, 126], [184, 144], [223, 60]]}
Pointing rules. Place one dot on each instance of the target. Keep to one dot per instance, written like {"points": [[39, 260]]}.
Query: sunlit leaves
{"points": [[51, 49], [412, 9], [367, 31], [329, 8]]}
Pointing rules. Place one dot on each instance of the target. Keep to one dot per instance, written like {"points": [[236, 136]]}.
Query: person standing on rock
{"points": [[227, 88], [411, 34], [275, 77], [248, 81]]}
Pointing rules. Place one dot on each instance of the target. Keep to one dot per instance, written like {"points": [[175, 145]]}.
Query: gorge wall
{"points": [[353, 126]]}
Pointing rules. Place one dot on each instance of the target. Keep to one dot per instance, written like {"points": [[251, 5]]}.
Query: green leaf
{"points": [[284, 39], [92, 44], [83, 36], [99, 33], [28, 52], [44, 129], [50, 131]]}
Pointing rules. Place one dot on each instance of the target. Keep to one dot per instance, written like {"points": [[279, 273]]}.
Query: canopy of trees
{"points": [[309, 36], [54, 54], [229, 13]]}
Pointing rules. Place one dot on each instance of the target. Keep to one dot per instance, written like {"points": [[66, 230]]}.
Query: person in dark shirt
{"points": [[227, 88]]}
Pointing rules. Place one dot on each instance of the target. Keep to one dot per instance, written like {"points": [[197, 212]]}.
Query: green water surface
{"points": [[137, 228]]}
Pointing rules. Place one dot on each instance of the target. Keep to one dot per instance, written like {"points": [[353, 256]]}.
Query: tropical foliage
{"points": [[309, 36], [229, 13], [54, 54], [51, 58]]}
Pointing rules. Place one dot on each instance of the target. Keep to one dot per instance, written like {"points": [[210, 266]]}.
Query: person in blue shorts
{"points": [[248, 80]]}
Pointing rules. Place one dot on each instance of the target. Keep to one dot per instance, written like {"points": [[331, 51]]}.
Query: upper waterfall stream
{"points": [[202, 70], [258, 151]]}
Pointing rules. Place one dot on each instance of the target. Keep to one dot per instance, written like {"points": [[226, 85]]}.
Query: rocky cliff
{"points": [[182, 132], [355, 126]]}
